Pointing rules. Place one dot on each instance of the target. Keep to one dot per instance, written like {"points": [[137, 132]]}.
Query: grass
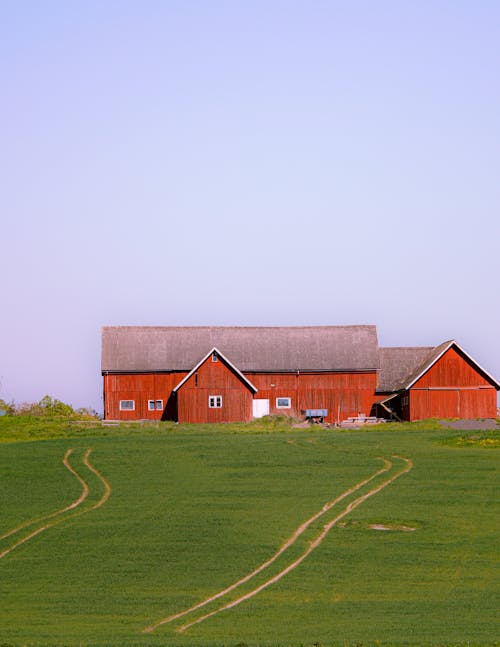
{"points": [[194, 508]]}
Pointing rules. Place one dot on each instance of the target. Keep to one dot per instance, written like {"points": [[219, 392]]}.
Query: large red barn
{"points": [[229, 374]]}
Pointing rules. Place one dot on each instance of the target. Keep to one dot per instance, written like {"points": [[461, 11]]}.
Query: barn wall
{"points": [[214, 378], [343, 394], [453, 403], [452, 388], [452, 369], [139, 387]]}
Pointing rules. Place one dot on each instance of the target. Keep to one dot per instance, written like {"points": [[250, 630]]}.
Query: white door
{"points": [[260, 408]]}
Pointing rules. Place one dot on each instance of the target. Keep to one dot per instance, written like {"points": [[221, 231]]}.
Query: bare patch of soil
{"points": [[380, 526]]}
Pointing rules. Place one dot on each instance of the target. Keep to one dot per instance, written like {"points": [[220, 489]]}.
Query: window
{"points": [[283, 403], [127, 405], [214, 357], [215, 401], [155, 405]]}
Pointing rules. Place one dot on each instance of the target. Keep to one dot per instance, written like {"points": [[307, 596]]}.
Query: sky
{"points": [[244, 163]]}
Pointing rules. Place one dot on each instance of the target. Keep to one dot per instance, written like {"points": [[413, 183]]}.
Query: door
{"points": [[260, 408]]}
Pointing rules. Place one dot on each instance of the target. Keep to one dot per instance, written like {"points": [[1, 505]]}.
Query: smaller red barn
{"points": [[433, 382], [214, 380]]}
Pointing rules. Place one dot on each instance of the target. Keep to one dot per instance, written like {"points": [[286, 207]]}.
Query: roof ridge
{"points": [[299, 327], [406, 347]]}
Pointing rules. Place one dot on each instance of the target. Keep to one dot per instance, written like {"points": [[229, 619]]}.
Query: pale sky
{"points": [[232, 163]]}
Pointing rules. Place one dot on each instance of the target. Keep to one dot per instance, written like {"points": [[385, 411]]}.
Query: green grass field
{"points": [[194, 509]]}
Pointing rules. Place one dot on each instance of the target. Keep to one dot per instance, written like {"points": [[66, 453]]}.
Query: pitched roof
{"points": [[401, 367], [437, 353], [397, 363], [313, 348], [226, 361]]}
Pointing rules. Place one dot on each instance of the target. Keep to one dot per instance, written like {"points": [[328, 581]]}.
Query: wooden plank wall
{"points": [[452, 388], [453, 403], [139, 387], [214, 378], [343, 394]]}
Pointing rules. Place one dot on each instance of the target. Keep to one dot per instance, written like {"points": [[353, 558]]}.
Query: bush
{"points": [[7, 407]]}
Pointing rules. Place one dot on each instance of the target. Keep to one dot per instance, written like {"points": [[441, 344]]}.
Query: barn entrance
{"points": [[260, 407]]}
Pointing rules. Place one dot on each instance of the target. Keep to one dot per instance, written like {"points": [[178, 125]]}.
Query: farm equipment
{"points": [[315, 415]]}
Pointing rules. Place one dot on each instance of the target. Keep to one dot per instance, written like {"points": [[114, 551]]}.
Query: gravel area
{"points": [[466, 425]]}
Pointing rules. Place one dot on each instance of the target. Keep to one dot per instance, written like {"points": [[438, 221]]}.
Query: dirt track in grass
{"points": [[60, 515], [289, 542]]}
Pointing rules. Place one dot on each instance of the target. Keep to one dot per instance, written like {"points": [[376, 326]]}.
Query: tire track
{"points": [[81, 499], [58, 515], [314, 544], [289, 542], [107, 486]]}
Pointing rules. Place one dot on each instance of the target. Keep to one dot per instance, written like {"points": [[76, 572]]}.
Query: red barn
{"points": [[434, 382], [228, 374]]}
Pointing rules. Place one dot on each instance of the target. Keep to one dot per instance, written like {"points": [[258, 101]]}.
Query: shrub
{"points": [[7, 407]]}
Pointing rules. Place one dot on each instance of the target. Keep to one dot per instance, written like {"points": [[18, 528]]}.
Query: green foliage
{"points": [[53, 407], [48, 407], [432, 424], [488, 438], [28, 427], [7, 407], [270, 423]]}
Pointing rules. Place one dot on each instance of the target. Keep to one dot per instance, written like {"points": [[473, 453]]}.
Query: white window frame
{"points": [[155, 405], [215, 401], [284, 406], [125, 408]]}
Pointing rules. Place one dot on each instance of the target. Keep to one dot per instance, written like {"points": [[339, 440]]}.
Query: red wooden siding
{"points": [[214, 378], [453, 403], [452, 388], [139, 387], [380, 396], [343, 394]]}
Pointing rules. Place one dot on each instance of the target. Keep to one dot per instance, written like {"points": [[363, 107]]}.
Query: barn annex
{"points": [[229, 374]]}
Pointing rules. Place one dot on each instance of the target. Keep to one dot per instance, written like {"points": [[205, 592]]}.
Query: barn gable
{"points": [[439, 382], [472, 373], [214, 391], [215, 356]]}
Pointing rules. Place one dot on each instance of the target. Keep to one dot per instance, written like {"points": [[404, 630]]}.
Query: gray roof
{"points": [[401, 367], [398, 363], [313, 348]]}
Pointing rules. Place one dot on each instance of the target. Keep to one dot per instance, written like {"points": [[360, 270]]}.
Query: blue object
{"points": [[315, 413]]}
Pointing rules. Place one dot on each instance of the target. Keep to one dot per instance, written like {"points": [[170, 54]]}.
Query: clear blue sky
{"points": [[265, 162]]}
